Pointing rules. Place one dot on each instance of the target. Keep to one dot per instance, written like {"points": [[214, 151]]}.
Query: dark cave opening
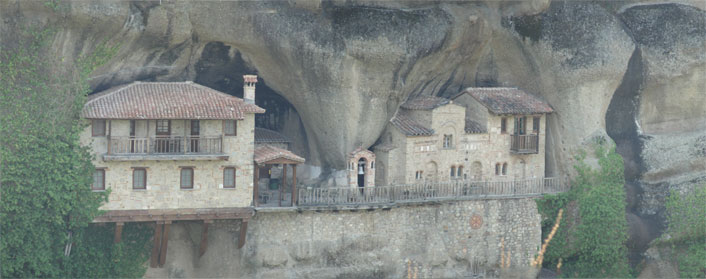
{"points": [[223, 71]]}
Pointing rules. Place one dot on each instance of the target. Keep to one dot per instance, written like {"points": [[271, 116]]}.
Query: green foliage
{"points": [[686, 216], [591, 238], [108, 260], [45, 174]]}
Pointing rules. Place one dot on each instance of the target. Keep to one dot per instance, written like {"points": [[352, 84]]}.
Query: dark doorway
{"points": [[361, 173]]}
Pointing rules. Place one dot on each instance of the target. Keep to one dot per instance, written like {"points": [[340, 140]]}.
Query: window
{"points": [[504, 168], [520, 125], [535, 125], [230, 127], [164, 127], [453, 171], [195, 128], [497, 169], [98, 127], [98, 180], [419, 175], [460, 171], [132, 128], [139, 178], [187, 178], [372, 165], [503, 125], [448, 141], [229, 177]]}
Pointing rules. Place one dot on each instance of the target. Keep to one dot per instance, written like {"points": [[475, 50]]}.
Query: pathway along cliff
{"points": [[335, 72]]}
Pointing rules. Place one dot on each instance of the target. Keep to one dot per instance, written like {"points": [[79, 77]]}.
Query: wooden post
{"points": [[110, 134], [157, 243], [118, 232], [243, 232], [165, 239], [294, 185], [204, 237], [256, 184], [284, 183]]}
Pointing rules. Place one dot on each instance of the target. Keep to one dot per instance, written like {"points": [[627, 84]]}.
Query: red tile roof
{"points": [[266, 153], [425, 103], [165, 100], [408, 126], [263, 135], [473, 127], [505, 100]]}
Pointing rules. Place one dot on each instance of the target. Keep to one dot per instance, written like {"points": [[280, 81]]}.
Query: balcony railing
{"points": [[456, 190], [524, 144], [166, 145]]}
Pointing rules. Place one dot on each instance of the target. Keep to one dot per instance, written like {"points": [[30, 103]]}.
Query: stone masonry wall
{"points": [[163, 177], [432, 241]]}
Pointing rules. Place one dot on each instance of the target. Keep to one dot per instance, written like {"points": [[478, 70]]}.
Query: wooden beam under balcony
{"points": [[182, 214]]}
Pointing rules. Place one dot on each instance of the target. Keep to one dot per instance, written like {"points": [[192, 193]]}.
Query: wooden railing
{"points": [[430, 191], [170, 145], [524, 143]]}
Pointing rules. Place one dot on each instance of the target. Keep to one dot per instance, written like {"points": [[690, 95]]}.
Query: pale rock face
{"points": [[335, 72]]}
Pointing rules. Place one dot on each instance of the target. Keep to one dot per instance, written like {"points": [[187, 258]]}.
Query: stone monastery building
{"points": [[489, 134]]}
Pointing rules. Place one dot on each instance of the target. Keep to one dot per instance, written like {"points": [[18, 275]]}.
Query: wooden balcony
{"points": [[524, 144], [165, 148]]}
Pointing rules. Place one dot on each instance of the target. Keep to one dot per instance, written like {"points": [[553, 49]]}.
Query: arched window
{"points": [[459, 173], [453, 171], [504, 168], [448, 141], [372, 165], [497, 169]]}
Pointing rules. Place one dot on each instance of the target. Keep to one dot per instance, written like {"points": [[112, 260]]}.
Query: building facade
{"points": [[489, 134], [172, 145]]}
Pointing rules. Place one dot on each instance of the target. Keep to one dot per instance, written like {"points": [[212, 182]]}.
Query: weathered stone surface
{"points": [[429, 240]]}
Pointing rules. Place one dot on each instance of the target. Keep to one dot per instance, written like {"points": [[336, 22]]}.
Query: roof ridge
{"points": [[119, 88]]}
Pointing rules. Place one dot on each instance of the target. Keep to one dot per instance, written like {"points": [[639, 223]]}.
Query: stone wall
{"points": [[432, 241], [163, 177]]}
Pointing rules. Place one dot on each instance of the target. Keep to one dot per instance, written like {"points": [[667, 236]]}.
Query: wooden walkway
{"points": [[454, 190]]}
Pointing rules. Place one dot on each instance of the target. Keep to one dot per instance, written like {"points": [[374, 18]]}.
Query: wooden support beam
{"points": [[204, 237], [156, 244], [256, 198], [118, 232], [294, 185], [243, 232], [284, 183], [165, 239]]}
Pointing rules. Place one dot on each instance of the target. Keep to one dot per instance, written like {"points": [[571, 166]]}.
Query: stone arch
{"points": [[355, 158], [447, 129]]}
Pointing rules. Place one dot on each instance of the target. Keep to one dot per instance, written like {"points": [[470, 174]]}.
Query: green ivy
{"points": [[686, 218], [45, 174], [592, 235]]}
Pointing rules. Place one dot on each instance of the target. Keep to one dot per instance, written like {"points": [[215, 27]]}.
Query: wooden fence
{"points": [[460, 189]]}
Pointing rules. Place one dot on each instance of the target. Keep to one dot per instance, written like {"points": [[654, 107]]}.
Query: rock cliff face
{"points": [[334, 72]]}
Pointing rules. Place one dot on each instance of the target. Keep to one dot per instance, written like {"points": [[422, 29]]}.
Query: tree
{"points": [[591, 241], [45, 174], [686, 218]]}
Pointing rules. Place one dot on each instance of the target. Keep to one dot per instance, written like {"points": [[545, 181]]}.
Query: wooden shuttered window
{"points": [[187, 178], [98, 180], [98, 127], [229, 177], [230, 127], [139, 178]]}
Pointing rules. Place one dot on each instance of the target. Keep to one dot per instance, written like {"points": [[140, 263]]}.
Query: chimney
{"points": [[249, 88]]}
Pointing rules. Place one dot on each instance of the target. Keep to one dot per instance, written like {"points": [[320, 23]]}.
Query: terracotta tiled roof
{"points": [[266, 153], [165, 100], [263, 135], [384, 147], [473, 127], [425, 103], [505, 100], [408, 126]]}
